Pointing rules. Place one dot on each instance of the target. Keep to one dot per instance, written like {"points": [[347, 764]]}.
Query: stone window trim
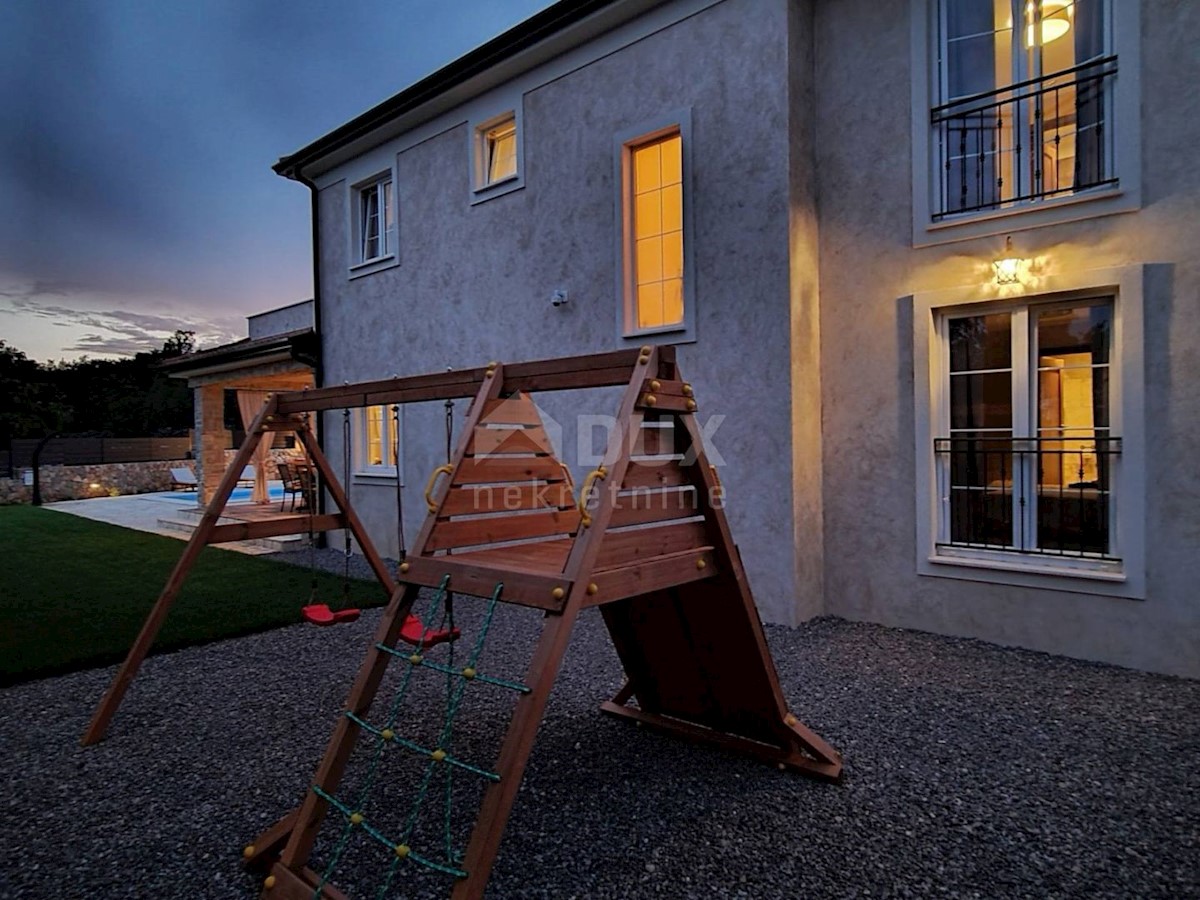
{"points": [[930, 309], [1125, 196], [679, 122]]}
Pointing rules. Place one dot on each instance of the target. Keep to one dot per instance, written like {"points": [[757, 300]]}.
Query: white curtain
{"points": [[250, 403]]}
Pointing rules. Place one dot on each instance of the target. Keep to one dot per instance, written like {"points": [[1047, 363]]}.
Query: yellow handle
{"points": [[601, 473], [429, 501]]}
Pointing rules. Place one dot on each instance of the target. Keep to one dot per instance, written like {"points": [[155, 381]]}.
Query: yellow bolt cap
{"points": [[403, 567], [782, 767], [691, 405], [701, 564], [558, 593], [592, 588], [789, 719], [651, 400], [402, 850], [655, 384], [248, 852], [356, 818], [646, 348], [687, 390], [270, 882], [438, 755], [642, 360], [415, 659], [387, 734], [469, 673]]}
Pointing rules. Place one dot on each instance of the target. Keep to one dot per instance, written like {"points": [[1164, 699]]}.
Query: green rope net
{"points": [[456, 680]]}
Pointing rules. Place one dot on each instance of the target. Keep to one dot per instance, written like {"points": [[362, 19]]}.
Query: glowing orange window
{"points": [[656, 242]]}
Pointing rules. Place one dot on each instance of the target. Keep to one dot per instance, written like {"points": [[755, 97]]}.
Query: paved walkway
{"points": [[144, 512]]}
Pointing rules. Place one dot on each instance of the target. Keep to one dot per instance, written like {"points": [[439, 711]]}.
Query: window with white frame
{"points": [[1025, 108], [655, 242], [1027, 458], [496, 156], [378, 441], [498, 146], [376, 220], [1029, 427]]}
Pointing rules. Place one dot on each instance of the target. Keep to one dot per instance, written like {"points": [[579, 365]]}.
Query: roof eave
{"points": [[524, 36]]}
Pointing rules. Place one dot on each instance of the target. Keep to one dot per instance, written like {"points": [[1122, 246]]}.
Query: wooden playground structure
{"points": [[646, 540]]}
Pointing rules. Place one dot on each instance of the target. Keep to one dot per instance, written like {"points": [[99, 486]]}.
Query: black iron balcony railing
{"points": [[1049, 496], [1045, 137]]}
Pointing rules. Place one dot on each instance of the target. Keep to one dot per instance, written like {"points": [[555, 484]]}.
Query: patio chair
{"points": [[297, 479], [183, 478]]}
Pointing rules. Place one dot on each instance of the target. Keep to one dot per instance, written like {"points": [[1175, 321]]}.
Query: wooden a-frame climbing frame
{"points": [[654, 552]]}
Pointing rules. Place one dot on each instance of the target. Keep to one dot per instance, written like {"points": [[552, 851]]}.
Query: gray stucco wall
{"points": [[868, 267], [475, 280], [292, 317]]}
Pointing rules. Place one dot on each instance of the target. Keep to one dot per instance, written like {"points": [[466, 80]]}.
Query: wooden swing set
{"points": [[646, 540]]}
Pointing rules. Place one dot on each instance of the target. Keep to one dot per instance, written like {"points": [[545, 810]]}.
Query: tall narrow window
{"points": [[377, 221], [656, 241], [379, 436]]}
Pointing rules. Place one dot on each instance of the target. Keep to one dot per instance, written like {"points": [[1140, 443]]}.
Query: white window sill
{"points": [[497, 188], [1070, 575], [370, 266], [1027, 215]]}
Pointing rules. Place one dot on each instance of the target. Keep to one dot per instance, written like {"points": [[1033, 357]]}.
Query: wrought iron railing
{"points": [[1049, 496], [1045, 137]]}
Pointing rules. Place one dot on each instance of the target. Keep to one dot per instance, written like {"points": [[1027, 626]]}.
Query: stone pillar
{"points": [[210, 440]]}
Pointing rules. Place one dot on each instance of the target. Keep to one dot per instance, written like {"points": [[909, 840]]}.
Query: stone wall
{"points": [[84, 482]]}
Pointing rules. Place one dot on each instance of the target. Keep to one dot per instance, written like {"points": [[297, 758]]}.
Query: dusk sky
{"points": [[136, 191]]}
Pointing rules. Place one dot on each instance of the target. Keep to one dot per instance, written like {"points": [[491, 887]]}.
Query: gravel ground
{"points": [[972, 770]]}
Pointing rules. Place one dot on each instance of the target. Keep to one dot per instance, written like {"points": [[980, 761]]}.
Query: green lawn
{"points": [[73, 593]]}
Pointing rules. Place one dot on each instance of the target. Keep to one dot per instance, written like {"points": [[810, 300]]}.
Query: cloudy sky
{"points": [[136, 191]]}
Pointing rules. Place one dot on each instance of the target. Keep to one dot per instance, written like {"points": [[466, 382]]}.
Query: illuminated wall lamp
{"points": [[1009, 268]]}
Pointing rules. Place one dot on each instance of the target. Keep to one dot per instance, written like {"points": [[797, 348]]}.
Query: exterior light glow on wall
{"points": [[1010, 269]]}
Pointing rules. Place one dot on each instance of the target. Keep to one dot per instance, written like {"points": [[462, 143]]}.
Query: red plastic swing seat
{"points": [[321, 614], [413, 632]]}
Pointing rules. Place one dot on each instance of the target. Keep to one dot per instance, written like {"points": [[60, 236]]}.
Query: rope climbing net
{"points": [[439, 757]]}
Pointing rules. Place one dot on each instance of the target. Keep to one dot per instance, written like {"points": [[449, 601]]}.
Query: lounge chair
{"points": [[183, 479]]}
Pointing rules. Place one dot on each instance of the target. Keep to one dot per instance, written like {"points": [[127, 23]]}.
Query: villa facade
{"points": [[933, 262]]}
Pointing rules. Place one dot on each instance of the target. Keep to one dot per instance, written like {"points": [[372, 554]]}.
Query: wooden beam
{"points": [[263, 851], [408, 389], [640, 545], [786, 757], [252, 531], [496, 529], [286, 884], [521, 588], [652, 575], [108, 705], [487, 498]]}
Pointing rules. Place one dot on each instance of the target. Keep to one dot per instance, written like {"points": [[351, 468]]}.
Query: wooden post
{"points": [[158, 614]]}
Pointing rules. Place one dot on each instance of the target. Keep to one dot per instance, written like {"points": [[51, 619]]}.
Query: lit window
{"points": [[379, 439], [496, 153], [376, 221], [1027, 460], [500, 151], [1024, 108], [654, 245]]}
